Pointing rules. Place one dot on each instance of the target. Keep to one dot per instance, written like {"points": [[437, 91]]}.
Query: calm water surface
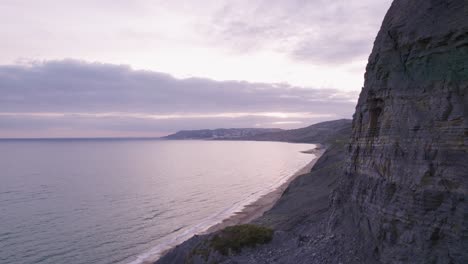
{"points": [[123, 201]]}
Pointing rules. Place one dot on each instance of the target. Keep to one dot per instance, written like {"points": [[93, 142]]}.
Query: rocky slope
{"points": [[221, 133], [399, 189], [405, 187]]}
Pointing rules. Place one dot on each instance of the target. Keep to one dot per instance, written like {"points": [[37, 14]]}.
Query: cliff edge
{"points": [[405, 185]]}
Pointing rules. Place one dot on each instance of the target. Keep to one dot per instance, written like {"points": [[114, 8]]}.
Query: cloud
{"points": [[301, 42], [315, 31], [70, 94]]}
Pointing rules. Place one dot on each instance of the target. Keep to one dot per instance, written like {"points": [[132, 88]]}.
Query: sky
{"points": [[149, 68]]}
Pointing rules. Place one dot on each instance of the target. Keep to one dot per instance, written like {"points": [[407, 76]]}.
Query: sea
{"points": [[126, 201]]}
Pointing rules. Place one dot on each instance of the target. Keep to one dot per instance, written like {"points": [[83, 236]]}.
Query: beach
{"points": [[256, 208], [266, 202]]}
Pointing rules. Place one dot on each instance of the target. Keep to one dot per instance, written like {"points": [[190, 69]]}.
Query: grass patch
{"points": [[240, 236]]}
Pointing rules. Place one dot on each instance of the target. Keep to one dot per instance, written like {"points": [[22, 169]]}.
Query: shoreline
{"points": [[256, 208], [264, 203]]}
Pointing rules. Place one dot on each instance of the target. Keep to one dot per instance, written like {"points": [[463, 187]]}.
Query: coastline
{"points": [[257, 208], [253, 210]]}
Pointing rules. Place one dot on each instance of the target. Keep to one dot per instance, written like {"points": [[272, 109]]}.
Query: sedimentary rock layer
{"points": [[405, 185]]}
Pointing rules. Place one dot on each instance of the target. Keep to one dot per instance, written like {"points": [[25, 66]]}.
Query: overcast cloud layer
{"points": [[77, 97], [295, 62], [301, 42]]}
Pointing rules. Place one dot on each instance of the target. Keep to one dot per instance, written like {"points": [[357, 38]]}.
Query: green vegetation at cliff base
{"points": [[240, 236]]}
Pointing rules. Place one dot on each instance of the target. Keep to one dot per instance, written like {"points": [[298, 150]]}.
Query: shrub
{"points": [[237, 237]]}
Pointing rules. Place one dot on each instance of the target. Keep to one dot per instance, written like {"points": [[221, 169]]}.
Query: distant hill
{"points": [[325, 133], [221, 133]]}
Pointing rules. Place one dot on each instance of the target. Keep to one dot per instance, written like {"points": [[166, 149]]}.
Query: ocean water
{"points": [[125, 201]]}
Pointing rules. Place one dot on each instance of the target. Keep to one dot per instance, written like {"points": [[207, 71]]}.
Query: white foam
{"points": [[172, 241]]}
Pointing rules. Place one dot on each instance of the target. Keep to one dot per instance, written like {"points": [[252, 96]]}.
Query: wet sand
{"points": [[266, 202]]}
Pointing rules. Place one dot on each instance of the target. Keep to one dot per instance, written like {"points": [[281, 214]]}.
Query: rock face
{"points": [[404, 189]]}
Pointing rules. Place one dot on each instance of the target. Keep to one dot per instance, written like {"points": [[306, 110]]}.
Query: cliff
{"points": [[404, 188], [398, 190]]}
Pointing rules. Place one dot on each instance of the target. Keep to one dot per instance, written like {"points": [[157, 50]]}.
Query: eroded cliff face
{"points": [[404, 192]]}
